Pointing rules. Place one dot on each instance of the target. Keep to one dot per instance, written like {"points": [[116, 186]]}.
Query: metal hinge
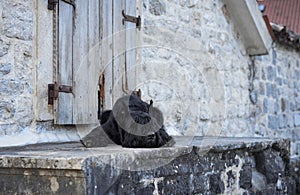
{"points": [[54, 89], [136, 20], [52, 3]]}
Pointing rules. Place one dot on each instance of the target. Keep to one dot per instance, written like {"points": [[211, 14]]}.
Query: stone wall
{"points": [[17, 73], [193, 64], [276, 83], [232, 166]]}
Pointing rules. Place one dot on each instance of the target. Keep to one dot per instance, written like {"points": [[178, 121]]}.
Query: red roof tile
{"points": [[283, 12]]}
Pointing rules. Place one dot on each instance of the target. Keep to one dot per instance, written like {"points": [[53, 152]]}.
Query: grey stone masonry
{"points": [[205, 165], [17, 73], [278, 97]]}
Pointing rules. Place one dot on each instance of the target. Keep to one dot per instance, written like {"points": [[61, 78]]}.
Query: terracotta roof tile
{"points": [[283, 12]]}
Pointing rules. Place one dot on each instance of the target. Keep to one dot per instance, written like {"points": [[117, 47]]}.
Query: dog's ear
{"points": [[151, 102]]}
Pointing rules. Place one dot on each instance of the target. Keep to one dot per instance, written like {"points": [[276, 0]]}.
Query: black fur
{"points": [[135, 124]]}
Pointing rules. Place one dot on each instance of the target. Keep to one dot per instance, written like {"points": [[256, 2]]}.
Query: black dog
{"points": [[136, 124]]}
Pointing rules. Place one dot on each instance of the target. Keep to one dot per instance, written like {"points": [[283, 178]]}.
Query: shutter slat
{"points": [[119, 48], [65, 77], [131, 46], [106, 51]]}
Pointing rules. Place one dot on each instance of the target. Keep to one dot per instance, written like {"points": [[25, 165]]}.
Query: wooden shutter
{"points": [[130, 62], [107, 51], [124, 50], [94, 42], [87, 61], [64, 104]]}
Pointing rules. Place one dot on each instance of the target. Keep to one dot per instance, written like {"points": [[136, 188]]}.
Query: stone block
{"points": [[269, 89], [4, 47], [7, 110], [282, 121], [279, 81], [270, 163], [272, 106], [274, 56], [188, 3], [17, 20], [262, 88], [11, 87], [5, 68], [201, 183], [270, 73], [34, 181], [216, 184], [297, 119], [292, 106], [184, 16], [279, 70], [263, 74], [274, 91], [297, 74], [265, 105], [245, 180], [273, 122], [23, 62], [277, 107], [157, 7], [290, 120]]}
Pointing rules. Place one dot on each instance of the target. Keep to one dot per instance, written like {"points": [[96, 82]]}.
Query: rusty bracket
{"points": [[136, 20], [52, 3], [54, 89]]}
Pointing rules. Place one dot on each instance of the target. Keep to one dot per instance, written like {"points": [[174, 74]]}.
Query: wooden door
{"points": [[94, 43]]}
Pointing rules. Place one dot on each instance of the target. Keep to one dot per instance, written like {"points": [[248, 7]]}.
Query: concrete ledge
{"points": [[118, 170]]}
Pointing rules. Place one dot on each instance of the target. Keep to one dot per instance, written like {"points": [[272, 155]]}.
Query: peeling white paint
{"points": [[154, 181], [234, 187], [54, 184]]}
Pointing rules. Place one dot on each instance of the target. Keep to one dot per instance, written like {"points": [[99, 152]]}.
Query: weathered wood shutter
{"points": [[87, 61], [64, 104], [93, 42], [130, 68]]}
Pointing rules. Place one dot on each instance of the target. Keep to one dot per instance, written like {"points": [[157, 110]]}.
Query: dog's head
{"points": [[136, 116]]}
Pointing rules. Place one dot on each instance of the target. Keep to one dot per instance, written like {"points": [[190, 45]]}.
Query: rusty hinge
{"points": [[52, 3], [54, 89], [136, 20]]}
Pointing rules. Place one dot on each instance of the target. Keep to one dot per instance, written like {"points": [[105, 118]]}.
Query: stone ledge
{"points": [[73, 155], [206, 165]]}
